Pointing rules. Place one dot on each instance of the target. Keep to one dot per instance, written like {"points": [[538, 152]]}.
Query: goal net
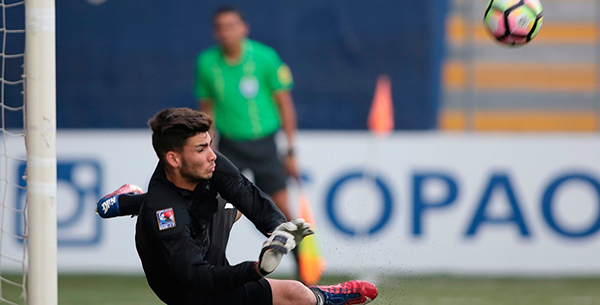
{"points": [[27, 153], [12, 238]]}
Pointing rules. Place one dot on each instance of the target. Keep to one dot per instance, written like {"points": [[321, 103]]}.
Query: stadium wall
{"points": [[415, 203], [119, 62]]}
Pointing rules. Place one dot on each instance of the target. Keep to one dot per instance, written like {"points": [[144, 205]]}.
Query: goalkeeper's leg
{"points": [[289, 292], [286, 292]]}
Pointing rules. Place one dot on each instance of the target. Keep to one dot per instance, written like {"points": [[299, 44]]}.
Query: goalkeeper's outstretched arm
{"points": [[125, 201], [131, 203]]}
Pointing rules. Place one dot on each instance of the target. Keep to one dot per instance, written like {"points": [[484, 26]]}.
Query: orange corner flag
{"points": [[381, 116], [310, 263]]}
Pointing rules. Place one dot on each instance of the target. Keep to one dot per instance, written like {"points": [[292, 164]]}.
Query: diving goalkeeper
{"points": [[184, 223]]}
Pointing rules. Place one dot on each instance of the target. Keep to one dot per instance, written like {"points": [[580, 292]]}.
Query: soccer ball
{"points": [[513, 22]]}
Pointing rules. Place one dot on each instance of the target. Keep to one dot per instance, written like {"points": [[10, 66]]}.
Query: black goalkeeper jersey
{"points": [[181, 235]]}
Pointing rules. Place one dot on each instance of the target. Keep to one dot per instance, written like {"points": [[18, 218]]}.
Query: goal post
{"points": [[40, 107]]}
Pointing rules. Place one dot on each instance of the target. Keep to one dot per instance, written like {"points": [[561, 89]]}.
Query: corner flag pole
{"points": [[381, 124], [381, 115], [40, 107], [310, 262]]}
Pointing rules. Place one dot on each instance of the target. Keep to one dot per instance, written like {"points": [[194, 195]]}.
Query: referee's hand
{"points": [[291, 166]]}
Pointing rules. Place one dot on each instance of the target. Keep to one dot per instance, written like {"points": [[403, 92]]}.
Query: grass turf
{"points": [[438, 290]]}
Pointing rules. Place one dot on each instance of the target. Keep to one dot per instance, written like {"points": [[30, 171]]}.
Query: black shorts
{"points": [[252, 293], [261, 157]]}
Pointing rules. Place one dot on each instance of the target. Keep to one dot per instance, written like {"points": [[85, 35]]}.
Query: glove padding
{"points": [[108, 206], [297, 227], [273, 250]]}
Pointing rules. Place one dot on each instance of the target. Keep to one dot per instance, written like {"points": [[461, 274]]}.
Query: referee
{"points": [[246, 87]]}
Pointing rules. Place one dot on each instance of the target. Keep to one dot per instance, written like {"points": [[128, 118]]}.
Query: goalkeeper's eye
{"points": [[200, 148]]}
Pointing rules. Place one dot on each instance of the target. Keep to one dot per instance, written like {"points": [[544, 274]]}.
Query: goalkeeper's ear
{"points": [[173, 159]]}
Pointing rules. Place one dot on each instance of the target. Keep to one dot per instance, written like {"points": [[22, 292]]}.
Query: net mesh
{"points": [[12, 154]]}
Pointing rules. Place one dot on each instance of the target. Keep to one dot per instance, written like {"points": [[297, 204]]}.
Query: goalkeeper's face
{"points": [[197, 158], [230, 30]]}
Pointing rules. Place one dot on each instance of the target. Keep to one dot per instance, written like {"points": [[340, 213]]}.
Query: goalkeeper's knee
{"points": [[108, 206]]}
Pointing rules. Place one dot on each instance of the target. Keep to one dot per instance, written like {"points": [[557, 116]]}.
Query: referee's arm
{"points": [[206, 106], [287, 112], [289, 124]]}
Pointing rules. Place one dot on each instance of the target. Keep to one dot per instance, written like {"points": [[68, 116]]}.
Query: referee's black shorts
{"points": [[261, 157]]}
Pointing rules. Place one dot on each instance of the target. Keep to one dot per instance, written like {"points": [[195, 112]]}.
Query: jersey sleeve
{"points": [[202, 88], [279, 76], [129, 204], [170, 228]]}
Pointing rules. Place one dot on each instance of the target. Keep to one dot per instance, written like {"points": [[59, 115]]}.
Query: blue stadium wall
{"points": [[118, 62]]}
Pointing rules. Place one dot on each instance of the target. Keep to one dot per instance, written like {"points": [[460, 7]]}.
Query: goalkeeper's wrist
{"points": [[261, 273], [109, 207]]}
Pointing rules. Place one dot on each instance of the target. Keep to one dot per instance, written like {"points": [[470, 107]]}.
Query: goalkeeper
{"points": [[183, 227]]}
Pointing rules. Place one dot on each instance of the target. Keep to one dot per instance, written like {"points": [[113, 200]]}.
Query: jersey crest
{"points": [[166, 219], [249, 86]]}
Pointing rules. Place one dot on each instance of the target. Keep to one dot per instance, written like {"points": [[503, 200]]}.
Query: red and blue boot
{"points": [[347, 293]]}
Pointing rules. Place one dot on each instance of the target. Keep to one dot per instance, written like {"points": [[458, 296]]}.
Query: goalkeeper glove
{"points": [[297, 227], [273, 250], [108, 206]]}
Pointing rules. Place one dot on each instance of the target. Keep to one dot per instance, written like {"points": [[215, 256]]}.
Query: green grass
{"points": [[467, 291], [439, 290]]}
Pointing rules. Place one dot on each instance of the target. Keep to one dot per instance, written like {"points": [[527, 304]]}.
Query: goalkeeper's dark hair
{"points": [[229, 9], [172, 127]]}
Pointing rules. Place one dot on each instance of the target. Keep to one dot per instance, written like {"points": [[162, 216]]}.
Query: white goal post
{"points": [[40, 83]]}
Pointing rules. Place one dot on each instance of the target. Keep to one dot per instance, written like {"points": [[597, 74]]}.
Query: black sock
{"points": [[319, 294]]}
